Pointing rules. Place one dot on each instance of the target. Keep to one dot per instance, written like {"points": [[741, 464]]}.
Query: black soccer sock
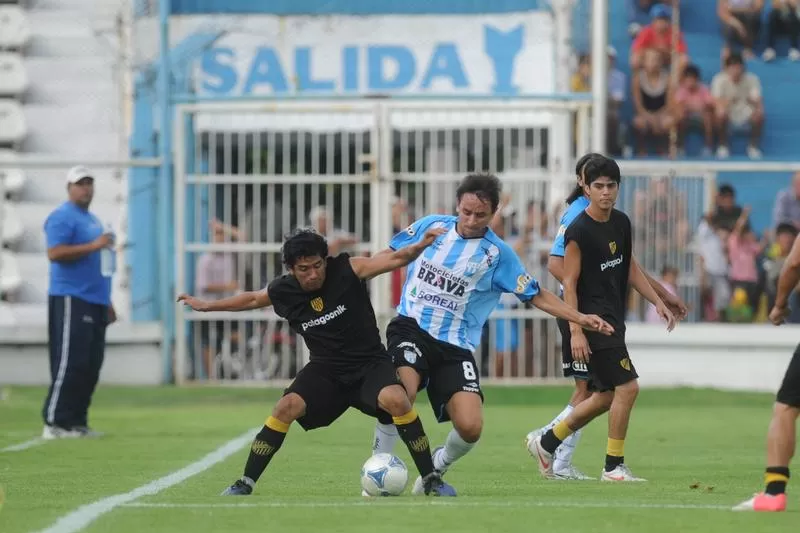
{"points": [[266, 444], [615, 454], [776, 479], [555, 436], [410, 429]]}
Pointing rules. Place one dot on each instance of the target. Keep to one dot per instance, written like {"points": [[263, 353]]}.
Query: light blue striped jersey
{"points": [[452, 288], [575, 208]]}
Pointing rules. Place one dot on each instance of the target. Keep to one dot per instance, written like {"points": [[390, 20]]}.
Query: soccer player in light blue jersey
{"points": [[449, 292], [577, 203]]}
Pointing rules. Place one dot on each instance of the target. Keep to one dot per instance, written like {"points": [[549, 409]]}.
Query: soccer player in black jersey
{"points": [[577, 203], [325, 301], [783, 427], [598, 266]]}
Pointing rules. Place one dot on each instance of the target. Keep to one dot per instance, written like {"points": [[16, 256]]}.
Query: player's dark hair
{"points": [[735, 58], [303, 243], [597, 168], [577, 192], [487, 187]]}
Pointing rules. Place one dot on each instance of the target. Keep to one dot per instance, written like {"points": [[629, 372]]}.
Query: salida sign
{"points": [[498, 54]]}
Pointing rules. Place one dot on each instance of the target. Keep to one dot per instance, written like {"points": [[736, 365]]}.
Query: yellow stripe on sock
{"points": [[407, 418], [277, 425], [771, 477], [562, 430], [616, 447]]}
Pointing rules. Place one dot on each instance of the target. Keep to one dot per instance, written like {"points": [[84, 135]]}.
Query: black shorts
{"points": [[328, 394], [444, 368], [571, 367], [789, 393], [610, 368]]}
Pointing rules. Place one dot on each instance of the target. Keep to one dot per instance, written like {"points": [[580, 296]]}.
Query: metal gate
{"points": [[249, 173]]}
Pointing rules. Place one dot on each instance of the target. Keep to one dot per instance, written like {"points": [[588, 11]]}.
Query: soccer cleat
{"points": [[445, 465], [765, 503], [570, 472], [239, 488], [433, 485], [543, 458], [56, 432], [620, 473]]}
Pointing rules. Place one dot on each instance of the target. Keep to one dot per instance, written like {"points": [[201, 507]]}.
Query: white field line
{"points": [[389, 502], [38, 441], [85, 515]]}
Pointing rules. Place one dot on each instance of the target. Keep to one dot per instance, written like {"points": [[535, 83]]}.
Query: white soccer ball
{"points": [[384, 475]]}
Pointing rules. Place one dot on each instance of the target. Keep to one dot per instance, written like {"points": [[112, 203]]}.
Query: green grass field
{"points": [[702, 452]]}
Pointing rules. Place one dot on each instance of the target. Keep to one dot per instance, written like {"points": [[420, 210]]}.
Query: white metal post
{"points": [[559, 147], [179, 213], [599, 74]]}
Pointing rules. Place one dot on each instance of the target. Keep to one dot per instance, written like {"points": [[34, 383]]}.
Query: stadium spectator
{"points": [[581, 79], [773, 262], [694, 108], [658, 36], [787, 205], [743, 249], [581, 82], [338, 240], [651, 96], [215, 279], [79, 307], [669, 280], [725, 210], [738, 105], [784, 21], [617, 92], [400, 221], [711, 247], [741, 23], [639, 14]]}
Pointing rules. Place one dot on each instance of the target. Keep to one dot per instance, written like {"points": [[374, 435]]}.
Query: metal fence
{"points": [[247, 174]]}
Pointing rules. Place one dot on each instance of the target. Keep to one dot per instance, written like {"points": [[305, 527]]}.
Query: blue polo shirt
{"points": [[72, 225]]}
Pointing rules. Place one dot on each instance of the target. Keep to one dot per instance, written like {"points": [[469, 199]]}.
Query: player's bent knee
{"points": [[394, 400], [289, 408], [466, 413], [627, 391]]}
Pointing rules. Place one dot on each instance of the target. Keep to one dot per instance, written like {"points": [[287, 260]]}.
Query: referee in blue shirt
{"points": [[79, 307]]}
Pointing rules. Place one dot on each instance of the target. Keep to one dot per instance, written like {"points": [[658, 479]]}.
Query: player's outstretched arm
{"points": [[386, 261], [245, 301], [673, 302], [639, 281], [787, 281]]}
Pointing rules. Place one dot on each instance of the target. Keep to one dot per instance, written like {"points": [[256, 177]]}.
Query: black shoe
{"points": [[239, 488], [434, 486]]}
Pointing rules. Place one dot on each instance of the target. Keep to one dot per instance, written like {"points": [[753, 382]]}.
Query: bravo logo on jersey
{"points": [[441, 278]]}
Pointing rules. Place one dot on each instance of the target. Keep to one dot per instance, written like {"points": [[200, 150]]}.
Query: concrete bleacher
{"points": [[15, 29], [13, 78], [779, 79], [59, 96]]}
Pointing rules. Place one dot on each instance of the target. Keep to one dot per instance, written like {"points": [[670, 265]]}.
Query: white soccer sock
{"points": [[561, 416], [385, 438], [454, 448], [563, 457]]}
